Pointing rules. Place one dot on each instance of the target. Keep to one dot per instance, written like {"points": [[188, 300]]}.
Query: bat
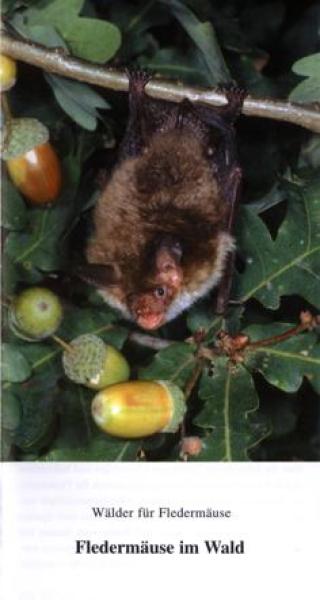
{"points": [[163, 225]]}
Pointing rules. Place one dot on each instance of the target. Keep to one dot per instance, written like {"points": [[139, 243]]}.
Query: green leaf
{"points": [[41, 244], [14, 211], [176, 363], [288, 265], [116, 336], [285, 364], [39, 410], [309, 89], [202, 316], [78, 100], [310, 153], [87, 320], [270, 199], [306, 91], [86, 118], [43, 358], [308, 65], [10, 411], [8, 5], [106, 449], [138, 19], [76, 427], [174, 63], [91, 39], [6, 445], [229, 397], [54, 11], [41, 34], [204, 37], [14, 366]]}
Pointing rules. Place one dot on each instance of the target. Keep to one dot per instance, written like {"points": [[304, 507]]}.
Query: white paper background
{"points": [[46, 507]]}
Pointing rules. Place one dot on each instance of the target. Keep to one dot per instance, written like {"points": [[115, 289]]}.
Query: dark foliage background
{"points": [[269, 407]]}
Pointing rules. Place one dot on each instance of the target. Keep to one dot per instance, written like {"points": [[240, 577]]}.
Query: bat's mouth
{"points": [[150, 321], [147, 310]]}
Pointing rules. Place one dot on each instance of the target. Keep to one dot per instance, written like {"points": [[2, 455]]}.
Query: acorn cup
{"points": [[31, 161], [89, 361], [139, 408], [8, 73], [35, 314]]}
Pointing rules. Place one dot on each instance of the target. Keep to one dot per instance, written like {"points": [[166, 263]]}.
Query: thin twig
{"points": [[306, 324], [276, 339], [57, 61]]}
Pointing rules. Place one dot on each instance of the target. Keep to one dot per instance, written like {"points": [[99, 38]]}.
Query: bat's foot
{"points": [[235, 96], [138, 79]]}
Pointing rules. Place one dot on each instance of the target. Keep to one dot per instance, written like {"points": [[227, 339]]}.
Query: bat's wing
{"points": [[227, 170]]}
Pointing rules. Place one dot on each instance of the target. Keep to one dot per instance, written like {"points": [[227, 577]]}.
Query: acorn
{"points": [[32, 162], [35, 314], [91, 362], [8, 72], [139, 408]]}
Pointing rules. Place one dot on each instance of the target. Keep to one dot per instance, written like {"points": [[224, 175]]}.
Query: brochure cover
{"points": [[160, 298]]}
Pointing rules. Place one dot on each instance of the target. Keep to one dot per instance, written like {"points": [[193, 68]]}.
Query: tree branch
{"points": [[57, 61]]}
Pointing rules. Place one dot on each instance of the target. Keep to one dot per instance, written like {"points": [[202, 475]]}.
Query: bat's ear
{"points": [[99, 275]]}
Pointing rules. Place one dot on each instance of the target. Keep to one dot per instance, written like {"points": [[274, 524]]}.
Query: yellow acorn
{"points": [[8, 72], [139, 408]]}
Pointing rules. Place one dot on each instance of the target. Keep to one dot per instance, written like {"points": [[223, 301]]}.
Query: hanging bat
{"points": [[163, 224]]}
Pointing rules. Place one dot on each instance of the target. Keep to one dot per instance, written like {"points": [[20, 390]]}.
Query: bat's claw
{"points": [[235, 96], [138, 78]]}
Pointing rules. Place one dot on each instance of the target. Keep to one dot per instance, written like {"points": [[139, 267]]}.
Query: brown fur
{"points": [[168, 189]]}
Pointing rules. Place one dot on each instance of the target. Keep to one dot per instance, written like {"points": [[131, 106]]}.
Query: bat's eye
{"points": [[160, 292]]}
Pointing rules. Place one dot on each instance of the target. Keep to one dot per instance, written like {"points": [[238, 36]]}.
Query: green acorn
{"points": [[90, 362], [35, 314]]}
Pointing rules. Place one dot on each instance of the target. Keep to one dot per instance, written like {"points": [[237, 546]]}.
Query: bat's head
{"points": [[146, 297], [149, 306]]}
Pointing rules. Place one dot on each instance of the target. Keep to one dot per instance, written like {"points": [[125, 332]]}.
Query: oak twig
{"points": [[57, 61], [307, 322], [235, 346]]}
